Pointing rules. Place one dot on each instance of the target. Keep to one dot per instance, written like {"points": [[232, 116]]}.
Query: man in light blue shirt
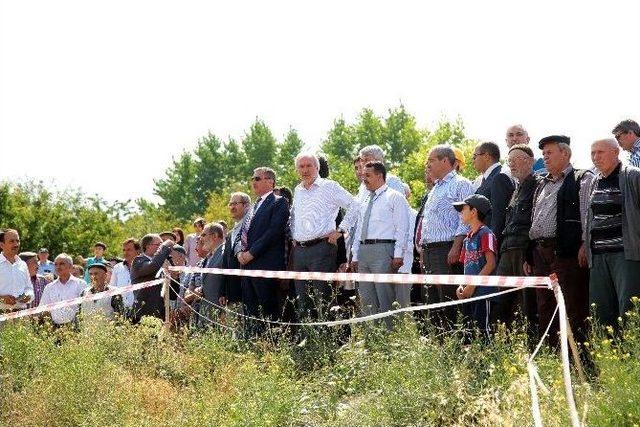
{"points": [[442, 231], [44, 265]]}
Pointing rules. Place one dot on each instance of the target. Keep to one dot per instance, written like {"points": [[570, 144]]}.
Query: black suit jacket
{"points": [[143, 269], [266, 234], [230, 284], [498, 188]]}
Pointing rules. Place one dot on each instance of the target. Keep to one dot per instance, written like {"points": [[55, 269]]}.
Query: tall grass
{"points": [[117, 374]]}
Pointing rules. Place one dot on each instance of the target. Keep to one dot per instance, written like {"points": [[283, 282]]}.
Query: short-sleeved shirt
{"points": [[475, 246], [46, 267]]}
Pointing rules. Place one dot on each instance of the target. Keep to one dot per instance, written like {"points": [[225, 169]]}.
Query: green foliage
{"points": [[118, 374], [259, 146], [287, 151]]}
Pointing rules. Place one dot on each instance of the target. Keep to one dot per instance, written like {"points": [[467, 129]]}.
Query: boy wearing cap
{"points": [[98, 251], [479, 253]]}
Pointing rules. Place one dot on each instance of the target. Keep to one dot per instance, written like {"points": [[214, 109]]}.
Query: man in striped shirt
{"points": [[38, 281], [443, 232], [613, 233]]}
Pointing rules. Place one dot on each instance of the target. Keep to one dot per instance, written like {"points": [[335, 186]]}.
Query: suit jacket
{"points": [[211, 283], [266, 234], [498, 188], [231, 288], [143, 269]]}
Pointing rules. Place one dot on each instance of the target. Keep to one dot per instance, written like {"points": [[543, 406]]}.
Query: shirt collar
{"points": [[448, 177], [564, 173], [5, 259], [490, 169], [381, 189], [264, 196], [318, 182]]}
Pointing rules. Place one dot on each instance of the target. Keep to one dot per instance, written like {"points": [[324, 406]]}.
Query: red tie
{"points": [[419, 232]]}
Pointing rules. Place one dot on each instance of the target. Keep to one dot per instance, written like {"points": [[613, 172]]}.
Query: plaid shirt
{"points": [[38, 282]]}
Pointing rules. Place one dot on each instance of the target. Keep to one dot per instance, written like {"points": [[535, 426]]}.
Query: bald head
{"points": [[604, 154]]}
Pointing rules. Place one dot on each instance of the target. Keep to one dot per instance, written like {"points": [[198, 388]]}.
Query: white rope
{"points": [[213, 322]]}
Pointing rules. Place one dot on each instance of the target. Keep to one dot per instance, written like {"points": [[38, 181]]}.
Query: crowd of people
{"points": [[527, 217]]}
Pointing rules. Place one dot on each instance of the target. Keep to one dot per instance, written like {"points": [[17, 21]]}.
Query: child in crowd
{"points": [[479, 256]]}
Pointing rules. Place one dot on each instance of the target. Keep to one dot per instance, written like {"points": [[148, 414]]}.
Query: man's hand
{"points": [[354, 266], [396, 263], [24, 299], [245, 258], [459, 293], [168, 243], [333, 237], [528, 271], [454, 254], [582, 256], [8, 299], [222, 301]]}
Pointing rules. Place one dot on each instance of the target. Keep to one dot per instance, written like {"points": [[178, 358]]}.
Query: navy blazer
{"points": [[266, 234], [498, 188]]}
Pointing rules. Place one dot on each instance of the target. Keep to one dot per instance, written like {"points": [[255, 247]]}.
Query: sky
{"points": [[101, 95]]}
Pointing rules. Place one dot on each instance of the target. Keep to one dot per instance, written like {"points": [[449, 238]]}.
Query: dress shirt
{"points": [[190, 248], [57, 291], [120, 276], [259, 202], [408, 250], [315, 209], [14, 281], [235, 235], [388, 220], [46, 268], [634, 159], [441, 221], [39, 282], [545, 206]]}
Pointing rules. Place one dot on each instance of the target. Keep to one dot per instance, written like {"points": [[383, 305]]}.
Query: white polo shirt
{"points": [[57, 291]]}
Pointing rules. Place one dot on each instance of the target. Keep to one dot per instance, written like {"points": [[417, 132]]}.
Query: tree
{"points": [[287, 151], [369, 130], [179, 188], [340, 143], [401, 135], [259, 147]]}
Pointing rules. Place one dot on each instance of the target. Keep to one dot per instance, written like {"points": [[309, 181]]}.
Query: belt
{"points": [[546, 242], [435, 245], [308, 243], [374, 241]]}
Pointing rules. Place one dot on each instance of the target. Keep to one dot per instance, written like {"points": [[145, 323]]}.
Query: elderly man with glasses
{"points": [[239, 205], [145, 267]]}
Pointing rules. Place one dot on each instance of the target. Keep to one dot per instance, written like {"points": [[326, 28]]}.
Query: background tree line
{"points": [[198, 182]]}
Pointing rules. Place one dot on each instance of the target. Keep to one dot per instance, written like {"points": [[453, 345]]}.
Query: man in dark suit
{"points": [[262, 245], [239, 205], [144, 268], [212, 238], [495, 185]]}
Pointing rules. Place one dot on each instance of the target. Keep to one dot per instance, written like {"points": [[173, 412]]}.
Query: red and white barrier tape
{"points": [[401, 279], [78, 300]]}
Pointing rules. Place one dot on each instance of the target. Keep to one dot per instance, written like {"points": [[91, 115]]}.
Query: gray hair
{"points": [[146, 241], [214, 228], [612, 143], [444, 151], [268, 172], [307, 155], [565, 148], [65, 258], [243, 196], [372, 151]]}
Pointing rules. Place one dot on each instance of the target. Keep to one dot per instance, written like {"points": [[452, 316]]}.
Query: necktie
{"points": [[367, 214], [246, 225], [418, 241]]}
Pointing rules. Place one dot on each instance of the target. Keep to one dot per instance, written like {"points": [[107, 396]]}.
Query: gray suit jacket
{"points": [[211, 283]]}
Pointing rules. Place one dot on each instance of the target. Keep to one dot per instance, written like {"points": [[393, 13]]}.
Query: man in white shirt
{"points": [[65, 287], [16, 289], [120, 276], [381, 240], [316, 203], [373, 153]]}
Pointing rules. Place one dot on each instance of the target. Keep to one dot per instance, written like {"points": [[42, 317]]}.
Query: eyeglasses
{"points": [[235, 203], [476, 155], [618, 135], [256, 178]]}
